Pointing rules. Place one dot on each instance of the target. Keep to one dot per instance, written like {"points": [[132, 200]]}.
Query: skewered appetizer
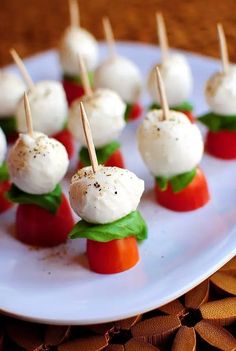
{"points": [[120, 75], [221, 98], [76, 40], [11, 91], [49, 108], [36, 165], [172, 147], [106, 198], [5, 204], [176, 75], [105, 111]]}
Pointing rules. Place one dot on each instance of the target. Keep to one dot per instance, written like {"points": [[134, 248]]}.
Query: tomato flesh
{"points": [[73, 90], [115, 160], [221, 144], [66, 138], [194, 196], [37, 227], [113, 256], [190, 116], [5, 204], [135, 112]]}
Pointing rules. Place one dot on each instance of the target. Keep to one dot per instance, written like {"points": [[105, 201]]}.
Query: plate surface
{"points": [[55, 286]]}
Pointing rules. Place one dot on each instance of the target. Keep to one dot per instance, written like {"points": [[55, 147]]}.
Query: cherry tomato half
{"points": [[37, 227], [66, 138], [194, 196], [135, 112], [113, 256], [115, 160], [5, 204], [221, 144], [73, 90]]}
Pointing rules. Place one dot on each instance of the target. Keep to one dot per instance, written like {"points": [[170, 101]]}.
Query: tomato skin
{"points": [[221, 144], [135, 112], [190, 116], [5, 204], [116, 160], [65, 137], [73, 90], [194, 196], [113, 256], [37, 227]]}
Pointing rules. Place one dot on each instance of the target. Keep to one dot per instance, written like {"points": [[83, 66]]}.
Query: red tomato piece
{"points": [[135, 112], [5, 204], [194, 196], [113, 256], [221, 144], [66, 138], [37, 227], [115, 160], [73, 90], [189, 115]]}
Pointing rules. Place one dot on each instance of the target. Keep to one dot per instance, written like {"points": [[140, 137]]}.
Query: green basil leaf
{"points": [[8, 125], [4, 172], [215, 122], [49, 202], [103, 153], [131, 225], [77, 79], [181, 181], [128, 110], [184, 106], [162, 182]]}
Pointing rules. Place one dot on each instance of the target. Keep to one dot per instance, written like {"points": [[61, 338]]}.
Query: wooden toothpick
{"points": [[24, 73], [84, 76], [89, 138], [162, 94], [109, 36], [223, 48], [162, 36], [28, 116], [74, 13]]}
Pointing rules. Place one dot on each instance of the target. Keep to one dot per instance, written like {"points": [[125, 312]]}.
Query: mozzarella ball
{"points": [[177, 79], [169, 147], [74, 42], [121, 75], [37, 164], [221, 92], [105, 111], [106, 196], [11, 90], [48, 107], [3, 146]]}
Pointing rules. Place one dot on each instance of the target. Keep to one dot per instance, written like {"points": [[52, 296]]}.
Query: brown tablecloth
{"points": [[36, 25]]}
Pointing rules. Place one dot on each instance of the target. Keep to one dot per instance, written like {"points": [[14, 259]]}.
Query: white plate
{"points": [[183, 249]]}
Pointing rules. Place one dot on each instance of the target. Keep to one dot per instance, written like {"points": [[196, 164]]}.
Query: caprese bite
{"points": [[5, 204], [105, 111], [49, 108], [172, 148], [36, 165], [221, 97], [120, 75], [176, 75], [106, 199], [11, 90], [75, 41]]}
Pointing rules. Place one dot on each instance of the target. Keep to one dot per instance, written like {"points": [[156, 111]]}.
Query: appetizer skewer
{"points": [[105, 111], [76, 40], [176, 75], [121, 75], [11, 90], [49, 108], [172, 147], [106, 198], [36, 165], [221, 98], [5, 185]]}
